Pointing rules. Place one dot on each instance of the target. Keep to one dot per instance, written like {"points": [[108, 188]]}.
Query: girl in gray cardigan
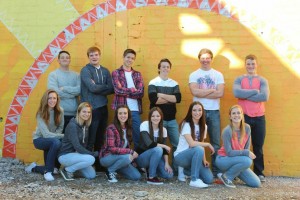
{"points": [[50, 123]]}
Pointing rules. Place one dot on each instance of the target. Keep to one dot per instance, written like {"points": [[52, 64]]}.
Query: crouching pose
{"points": [[235, 158], [152, 149], [115, 154], [50, 123], [190, 152], [73, 154]]}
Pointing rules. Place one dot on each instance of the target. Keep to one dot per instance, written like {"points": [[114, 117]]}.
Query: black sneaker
{"points": [[154, 181], [226, 181], [68, 176], [111, 176]]}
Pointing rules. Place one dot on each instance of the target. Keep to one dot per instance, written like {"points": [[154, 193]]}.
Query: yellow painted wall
{"points": [[178, 34]]}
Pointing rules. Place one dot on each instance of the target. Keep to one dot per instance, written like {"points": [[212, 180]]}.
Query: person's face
{"points": [[205, 60], [164, 68], [197, 112], [236, 115], [251, 66], [94, 58], [52, 100], [128, 60], [64, 60], [155, 118], [122, 115], [85, 113]]}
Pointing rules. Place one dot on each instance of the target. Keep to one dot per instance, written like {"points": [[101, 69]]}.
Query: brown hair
{"points": [[61, 52], [251, 57], [189, 119], [164, 60], [160, 125], [127, 51], [128, 123], [43, 110]]}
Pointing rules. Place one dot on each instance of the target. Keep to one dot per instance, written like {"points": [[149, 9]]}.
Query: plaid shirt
{"points": [[121, 90], [114, 144]]}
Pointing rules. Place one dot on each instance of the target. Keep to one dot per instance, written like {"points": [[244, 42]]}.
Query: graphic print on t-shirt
{"points": [[206, 82]]}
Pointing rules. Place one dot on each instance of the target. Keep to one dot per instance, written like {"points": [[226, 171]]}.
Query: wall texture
{"points": [[32, 34]]}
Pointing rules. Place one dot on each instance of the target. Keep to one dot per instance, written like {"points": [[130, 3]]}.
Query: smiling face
{"points": [[64, 60], [205, 61], [197, 112], [94, 58], [52, 99], [128, 60], [122, 115], [164, 69], [85, 113], [155, 118], [251, 66], [236, 115]]}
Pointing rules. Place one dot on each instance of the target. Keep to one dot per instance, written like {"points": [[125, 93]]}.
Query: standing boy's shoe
{"points": [[111, 176], [68, 176], [262, 178], [226, 181]]}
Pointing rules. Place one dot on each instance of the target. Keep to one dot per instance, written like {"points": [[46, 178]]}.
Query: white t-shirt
{"points": [[145, 127], [186, 129], [207, 80], [131, 103]]}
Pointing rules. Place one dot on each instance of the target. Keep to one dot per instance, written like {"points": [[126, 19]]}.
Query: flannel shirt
{"points": [[114, 144], [121, 90]]}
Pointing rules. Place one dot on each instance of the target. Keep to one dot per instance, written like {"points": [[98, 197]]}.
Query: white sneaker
{"points": [[29, 168], [48, 176], [181, 176], [198, 183]]}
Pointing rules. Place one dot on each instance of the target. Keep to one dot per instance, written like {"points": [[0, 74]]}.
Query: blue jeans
{"points": [[120, 164], [136, 122], [173, 135], [150, 159], [161, 172], [214, 131], [258, 134], [50, 146], [238, 166], [79, 162], [192, 159]]}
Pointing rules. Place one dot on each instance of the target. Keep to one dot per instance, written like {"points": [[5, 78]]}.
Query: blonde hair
{"points": [[242, 124], [80, 107]]}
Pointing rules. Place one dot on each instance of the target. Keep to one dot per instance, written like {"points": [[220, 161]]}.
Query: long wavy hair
{"points": [[128, 123], [80, 107], [189, 119], [160, 125], [242, 124], [44, 112]]}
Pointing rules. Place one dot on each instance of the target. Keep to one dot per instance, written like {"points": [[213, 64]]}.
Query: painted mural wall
{"points": [[33, 32]]}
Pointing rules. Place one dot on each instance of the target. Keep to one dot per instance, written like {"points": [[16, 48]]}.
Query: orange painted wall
{"points": [[157, 32]]}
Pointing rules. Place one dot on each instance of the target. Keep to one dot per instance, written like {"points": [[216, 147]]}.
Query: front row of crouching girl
{"points": [[190, 153], [73, 154], [234, 157], [152, 148], [116, 154], [50, 123]]}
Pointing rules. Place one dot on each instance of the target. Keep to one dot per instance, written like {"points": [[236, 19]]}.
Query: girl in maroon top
{"points": [[116, 154]]}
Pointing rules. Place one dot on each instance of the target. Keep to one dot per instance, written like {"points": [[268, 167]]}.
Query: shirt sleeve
{"points": [[43, 127], [263, 94], [240, 93], [53, 84]]}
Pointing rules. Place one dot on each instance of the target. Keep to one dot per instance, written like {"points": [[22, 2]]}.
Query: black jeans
{"points": [[67, 119], [258, 134]]}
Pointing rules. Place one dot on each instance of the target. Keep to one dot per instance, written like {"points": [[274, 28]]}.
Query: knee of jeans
{"points": [[158, 150], [255, 183], [135, 176], [198, 149], [247, 161], [91, 175], [90, 159], [56, 143]]}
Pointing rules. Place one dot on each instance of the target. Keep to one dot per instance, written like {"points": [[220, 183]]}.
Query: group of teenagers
{"points": [[79, 138]]}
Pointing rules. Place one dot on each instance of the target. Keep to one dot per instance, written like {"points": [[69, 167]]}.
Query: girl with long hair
{"points": [[152, 148], [116, 154], [50, 123], [190, 153], [234, 157], [73, 154]]}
